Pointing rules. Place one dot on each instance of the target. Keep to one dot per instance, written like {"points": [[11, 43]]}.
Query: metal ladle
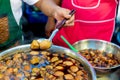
{"points": [[59, 26], [49, 41]]}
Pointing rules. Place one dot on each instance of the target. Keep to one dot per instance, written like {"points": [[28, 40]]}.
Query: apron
{"points": [[94, 19], [10, 31]]}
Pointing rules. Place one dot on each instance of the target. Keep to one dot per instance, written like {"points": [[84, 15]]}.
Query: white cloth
{"points": [[30, 2], [16, 6]]}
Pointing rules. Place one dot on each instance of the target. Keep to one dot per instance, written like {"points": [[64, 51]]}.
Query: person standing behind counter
{"points": [[94, 19], [10, 18]]}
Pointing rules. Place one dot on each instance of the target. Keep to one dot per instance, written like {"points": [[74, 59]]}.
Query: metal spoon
{"points": [[54, 32]]}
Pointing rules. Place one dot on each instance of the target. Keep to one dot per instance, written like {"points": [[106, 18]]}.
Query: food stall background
{"points": [[34, 24]]}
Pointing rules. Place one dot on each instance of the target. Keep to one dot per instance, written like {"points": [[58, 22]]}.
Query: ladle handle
{"points": [[53, 34]]}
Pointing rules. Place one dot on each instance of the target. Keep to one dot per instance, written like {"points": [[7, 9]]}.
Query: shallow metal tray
{"points": [[82, 60]]}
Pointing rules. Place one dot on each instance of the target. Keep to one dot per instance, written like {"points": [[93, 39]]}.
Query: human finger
{"points": [[70, 22]]}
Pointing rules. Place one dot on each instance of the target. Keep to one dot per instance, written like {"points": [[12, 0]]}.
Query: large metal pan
{"points": [[26, 48], [102, 46]]}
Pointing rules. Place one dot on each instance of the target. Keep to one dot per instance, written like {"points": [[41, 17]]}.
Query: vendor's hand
{"points": [[53, 10], [61, 13]]}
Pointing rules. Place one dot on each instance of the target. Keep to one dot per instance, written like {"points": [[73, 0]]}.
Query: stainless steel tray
{"points": [[82, 60], [113, 76]]}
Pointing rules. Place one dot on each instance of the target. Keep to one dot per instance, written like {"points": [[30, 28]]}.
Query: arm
{"points": [[58, 2], [49, 8], [50, 25]]}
